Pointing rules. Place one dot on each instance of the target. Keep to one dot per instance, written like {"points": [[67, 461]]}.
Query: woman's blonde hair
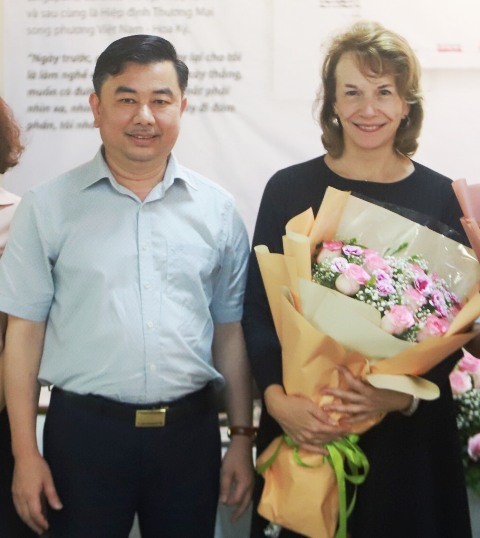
{"points": [[381, 52]]}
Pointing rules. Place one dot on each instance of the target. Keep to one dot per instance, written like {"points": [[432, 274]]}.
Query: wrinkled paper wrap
{"points": [[320, 329], [468, 197]]}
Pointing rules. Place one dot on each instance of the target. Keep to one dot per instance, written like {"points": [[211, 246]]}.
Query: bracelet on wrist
{"points": [[248, 431], [412, 407]]}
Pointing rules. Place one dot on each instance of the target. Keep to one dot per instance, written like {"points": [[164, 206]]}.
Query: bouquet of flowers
{"points": [[465, 383], [321, 328], [414, 303]]}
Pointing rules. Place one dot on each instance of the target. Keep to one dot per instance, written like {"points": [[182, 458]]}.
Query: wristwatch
{"points": [[249, 431]]}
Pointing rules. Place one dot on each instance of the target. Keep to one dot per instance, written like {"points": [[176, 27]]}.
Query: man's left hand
{"points": [[237, 476]]}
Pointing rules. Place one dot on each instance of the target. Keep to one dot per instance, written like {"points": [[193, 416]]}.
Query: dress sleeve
{"points": [[262, 343]]}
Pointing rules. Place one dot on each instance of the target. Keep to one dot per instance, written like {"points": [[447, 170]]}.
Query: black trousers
{"points": [[106, 470], [11, 526]]}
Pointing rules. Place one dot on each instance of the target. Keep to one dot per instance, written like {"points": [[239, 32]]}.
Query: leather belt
{"points": [[145, 416]]}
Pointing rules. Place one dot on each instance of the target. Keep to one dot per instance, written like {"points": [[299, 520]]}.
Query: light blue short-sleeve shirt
{"points": [[129, 289]]}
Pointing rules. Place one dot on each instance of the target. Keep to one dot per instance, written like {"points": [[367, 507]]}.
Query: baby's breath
{"points": [[324, 275]]}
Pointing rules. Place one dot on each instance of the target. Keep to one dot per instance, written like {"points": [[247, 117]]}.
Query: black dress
{"points": [[415, 487]]}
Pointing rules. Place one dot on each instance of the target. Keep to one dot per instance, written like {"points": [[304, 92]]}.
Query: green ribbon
{"points": [[339, 452]]}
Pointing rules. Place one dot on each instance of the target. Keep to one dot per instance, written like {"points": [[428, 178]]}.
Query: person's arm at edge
{"points": [[32, 480], [230, 359], [3, 328], [473, 346]]}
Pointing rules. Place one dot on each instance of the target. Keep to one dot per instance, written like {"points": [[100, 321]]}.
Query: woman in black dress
{"points": [[11, 526], [371, 114]]}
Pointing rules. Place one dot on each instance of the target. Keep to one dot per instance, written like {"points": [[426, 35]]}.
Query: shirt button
{"points": [[147, 286], [150, 324], [144, 246], [153, 368]]}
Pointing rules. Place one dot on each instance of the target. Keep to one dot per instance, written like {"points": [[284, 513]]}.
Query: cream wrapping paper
{"points": [[320, 329], [468, 197]]}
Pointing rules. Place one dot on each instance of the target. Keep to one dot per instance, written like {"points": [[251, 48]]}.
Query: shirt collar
{"points": [[175, 171], [100, 171]]}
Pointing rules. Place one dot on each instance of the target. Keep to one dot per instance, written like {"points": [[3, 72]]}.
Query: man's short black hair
{"points": [[140, 49]]}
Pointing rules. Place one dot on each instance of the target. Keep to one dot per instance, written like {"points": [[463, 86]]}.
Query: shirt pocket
{"points": [[191, 270]]}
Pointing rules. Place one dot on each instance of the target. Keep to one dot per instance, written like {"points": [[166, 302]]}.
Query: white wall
{"points": [[276, 48]]}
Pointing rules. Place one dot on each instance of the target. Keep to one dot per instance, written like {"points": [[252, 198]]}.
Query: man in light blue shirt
{"points": [[123, 280]]}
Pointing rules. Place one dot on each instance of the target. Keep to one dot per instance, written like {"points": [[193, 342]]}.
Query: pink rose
{"points": [[373, 261], [350, 281], [469, 363], [332, 245], [460, 382], [397, 320], [413, 298], [474, 447], [346, 285], [434, 326], [357, 273], [330, 249]]}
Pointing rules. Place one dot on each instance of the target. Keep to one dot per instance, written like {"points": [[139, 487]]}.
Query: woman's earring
{"points": [[336, 120]]}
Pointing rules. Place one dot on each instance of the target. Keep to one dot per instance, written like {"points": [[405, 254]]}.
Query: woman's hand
{"points": [[361, 401], [304, 421]]}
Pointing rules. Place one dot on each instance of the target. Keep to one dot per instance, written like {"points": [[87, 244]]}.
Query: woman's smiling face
{"points": [[368, 107]]}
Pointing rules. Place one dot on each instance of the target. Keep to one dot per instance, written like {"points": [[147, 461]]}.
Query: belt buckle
{"points": [[150, 418]]}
